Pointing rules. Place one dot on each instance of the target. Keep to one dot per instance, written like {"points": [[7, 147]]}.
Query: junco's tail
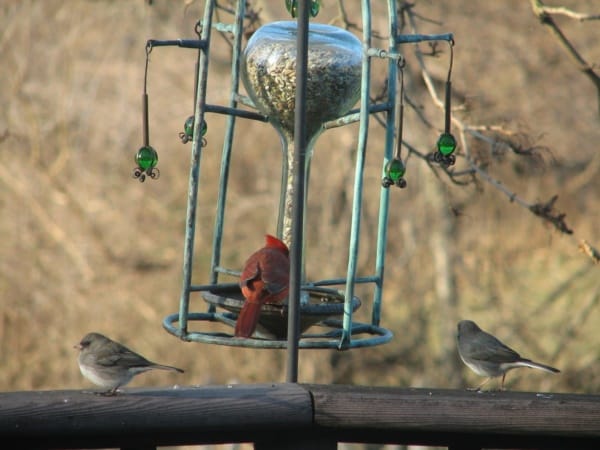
{"points": [[163, 367], [534, 365]]}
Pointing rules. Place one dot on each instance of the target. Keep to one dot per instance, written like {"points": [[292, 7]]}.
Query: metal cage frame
{"points": [[344, 333]]}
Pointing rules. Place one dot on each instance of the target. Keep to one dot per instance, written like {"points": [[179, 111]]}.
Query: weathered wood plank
{"points": [[452, 417], [298, 416], [139, 417]]}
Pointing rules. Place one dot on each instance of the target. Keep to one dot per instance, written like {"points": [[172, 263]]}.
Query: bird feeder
{"points": [[324, 72]]}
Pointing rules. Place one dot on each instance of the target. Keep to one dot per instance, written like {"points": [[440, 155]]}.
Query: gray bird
{"points": [[487, 356], [111, 365]]}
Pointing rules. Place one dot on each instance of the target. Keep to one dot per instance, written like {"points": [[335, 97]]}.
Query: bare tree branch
{"points": [[563, 11], [499, 141], [544, 13]]}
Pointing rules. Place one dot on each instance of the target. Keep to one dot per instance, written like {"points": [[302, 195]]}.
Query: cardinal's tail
{"points": [[247, 320]]}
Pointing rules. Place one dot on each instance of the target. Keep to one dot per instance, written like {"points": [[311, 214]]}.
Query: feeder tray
{"points": [[322, 304], [323, 308]]}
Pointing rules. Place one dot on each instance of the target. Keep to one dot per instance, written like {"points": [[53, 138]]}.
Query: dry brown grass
{"points": [[84, 247]]}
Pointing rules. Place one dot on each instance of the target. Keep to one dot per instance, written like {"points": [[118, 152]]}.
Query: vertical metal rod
{"points": [[285, 145], [227, 144], [145, 126], [300, 145], [400, 112], [190, 220], [389, 142], [358, 177], [448, 106], [447, 103], [196, 70]]}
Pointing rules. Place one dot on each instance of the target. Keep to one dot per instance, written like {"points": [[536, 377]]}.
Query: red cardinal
{"points": [[265, 279]]}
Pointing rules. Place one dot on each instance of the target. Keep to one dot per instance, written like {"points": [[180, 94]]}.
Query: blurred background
{"points": [[86, 248]]}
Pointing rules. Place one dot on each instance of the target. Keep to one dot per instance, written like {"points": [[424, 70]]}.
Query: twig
{"points": [[546, 211], [593, 253], [342, 18], [563, 11], [512, 196]]}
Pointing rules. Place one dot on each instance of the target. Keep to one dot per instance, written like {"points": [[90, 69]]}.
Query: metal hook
{"points": [[198, 28], [401, 62], [148, 51]]}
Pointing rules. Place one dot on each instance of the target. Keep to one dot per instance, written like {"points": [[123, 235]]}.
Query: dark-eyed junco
{"points": [[111, 365], [487, 356]]}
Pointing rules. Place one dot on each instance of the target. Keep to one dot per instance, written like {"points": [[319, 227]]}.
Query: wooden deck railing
{"points": [[298, 416]]}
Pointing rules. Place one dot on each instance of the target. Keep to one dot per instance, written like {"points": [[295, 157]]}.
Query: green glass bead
{"points": [[188, 127], [146, 157], [315, 6], [292, 7], [446, 144], [395, 170]]}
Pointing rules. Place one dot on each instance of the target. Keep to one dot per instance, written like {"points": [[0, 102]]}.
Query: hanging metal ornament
{"points": [[146, 157], [188, 127], [446, 143], [395, 168]]}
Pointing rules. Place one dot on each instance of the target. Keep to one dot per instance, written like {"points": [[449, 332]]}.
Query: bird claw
{"points": [[110, 393]]}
